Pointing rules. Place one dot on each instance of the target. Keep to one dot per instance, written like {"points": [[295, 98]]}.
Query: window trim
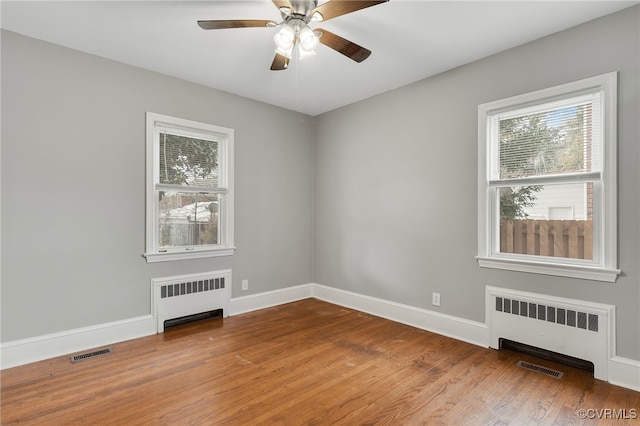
{"points": [[226, 207], [605, 268]]}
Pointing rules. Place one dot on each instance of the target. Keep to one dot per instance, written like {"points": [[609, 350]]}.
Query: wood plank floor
{"points": [[306, 363]]}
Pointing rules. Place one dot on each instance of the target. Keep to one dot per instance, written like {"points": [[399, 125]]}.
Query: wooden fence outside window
{"points": [[558, 238]]}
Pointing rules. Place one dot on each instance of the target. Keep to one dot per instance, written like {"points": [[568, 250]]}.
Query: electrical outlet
{"points": [[245, 285], [435, 299]]}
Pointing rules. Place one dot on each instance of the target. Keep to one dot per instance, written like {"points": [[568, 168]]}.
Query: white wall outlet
{"points": [[435, 299], [245, 285]]}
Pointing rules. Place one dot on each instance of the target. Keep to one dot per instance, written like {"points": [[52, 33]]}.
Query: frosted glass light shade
{"points": [[284, 38]]}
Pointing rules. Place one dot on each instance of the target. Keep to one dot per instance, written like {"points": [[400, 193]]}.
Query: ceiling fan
{"points": [[295, 31]]}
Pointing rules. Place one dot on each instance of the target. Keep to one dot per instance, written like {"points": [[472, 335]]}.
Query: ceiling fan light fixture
{"points": [[308, 39], [286, 53], [302, 53], [285, 38]]}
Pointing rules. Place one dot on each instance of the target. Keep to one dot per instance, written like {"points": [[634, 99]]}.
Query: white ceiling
{"points": [[410, 40]]}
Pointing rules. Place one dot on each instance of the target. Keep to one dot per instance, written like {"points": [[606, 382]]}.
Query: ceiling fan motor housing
{"points": [[302, 8]]}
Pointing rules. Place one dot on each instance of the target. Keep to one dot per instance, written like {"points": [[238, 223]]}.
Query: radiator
{"points": [[570, 327], [184, 295]]}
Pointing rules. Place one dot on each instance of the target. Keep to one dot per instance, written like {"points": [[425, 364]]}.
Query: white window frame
{"points": [[225, 210], [603, 267]]}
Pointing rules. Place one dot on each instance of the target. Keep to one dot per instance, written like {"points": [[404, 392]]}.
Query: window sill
{"points": [[560, 270], [188, 254]]}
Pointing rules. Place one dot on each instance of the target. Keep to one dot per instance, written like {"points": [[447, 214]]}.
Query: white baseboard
{"points": [[24, 351], [621, 371], [446, 325], [253, 302], [624, 372]]}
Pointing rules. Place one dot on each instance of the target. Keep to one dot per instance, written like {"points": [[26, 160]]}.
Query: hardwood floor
{"points": [[306, 363]]}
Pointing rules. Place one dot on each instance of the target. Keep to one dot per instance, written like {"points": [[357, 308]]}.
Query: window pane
{"points": [[188, 219], [552, 220], [555, 141], [188, 161]]}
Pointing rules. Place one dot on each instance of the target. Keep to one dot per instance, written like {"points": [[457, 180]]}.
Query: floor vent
{"points": [[80, 357], [539, 369]]}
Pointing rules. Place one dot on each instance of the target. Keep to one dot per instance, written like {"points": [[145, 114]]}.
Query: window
{"points": [[189, 189], [547, 181]]}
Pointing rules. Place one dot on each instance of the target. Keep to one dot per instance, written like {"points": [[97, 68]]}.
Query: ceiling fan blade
{"points": [[234, 23], [334, 8], [283, 3], [344, 46], [280, 62]]}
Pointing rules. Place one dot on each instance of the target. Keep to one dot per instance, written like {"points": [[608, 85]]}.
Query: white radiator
{"points": [[184, 295], [576, 328]]}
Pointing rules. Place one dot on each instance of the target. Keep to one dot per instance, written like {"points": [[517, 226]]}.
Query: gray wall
{"points": [[389, 211], [73, 188], [396, 180]]}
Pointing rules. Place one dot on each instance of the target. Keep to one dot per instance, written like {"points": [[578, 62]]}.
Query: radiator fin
{"points": [[557, 315], [197, 286]]}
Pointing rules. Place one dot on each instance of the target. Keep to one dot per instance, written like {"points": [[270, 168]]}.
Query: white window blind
{"points": [[189, 159], [551, 139]]}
